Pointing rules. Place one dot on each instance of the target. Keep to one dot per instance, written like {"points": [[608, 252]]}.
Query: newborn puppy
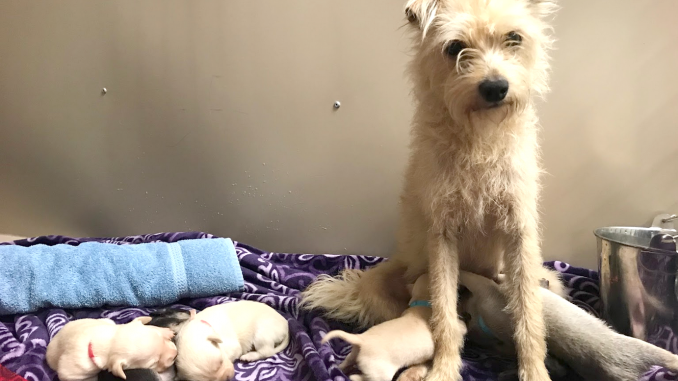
{"points": [[84, 347], [383, 349], [582, 341], [212, 339], [171, 318]]}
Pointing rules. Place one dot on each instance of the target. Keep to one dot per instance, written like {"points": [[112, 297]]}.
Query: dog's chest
{"points": [[472, 196]]}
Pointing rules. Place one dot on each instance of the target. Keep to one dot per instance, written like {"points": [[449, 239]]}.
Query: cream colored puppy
{"points": [[211, 340], [383, 349], [84, 347]]}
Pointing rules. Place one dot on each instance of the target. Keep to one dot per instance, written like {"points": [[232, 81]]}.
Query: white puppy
{"points": [[211, 340], [383, 349], [84, 347], [580, 340]]}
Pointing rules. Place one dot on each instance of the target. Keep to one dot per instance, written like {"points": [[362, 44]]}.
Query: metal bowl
{"points": [[638, 271]]}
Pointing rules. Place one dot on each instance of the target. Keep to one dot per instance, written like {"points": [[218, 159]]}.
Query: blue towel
{"points": [[95, 274]]}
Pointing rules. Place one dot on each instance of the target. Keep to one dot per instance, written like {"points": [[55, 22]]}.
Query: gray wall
{"points": [[219, 118]]}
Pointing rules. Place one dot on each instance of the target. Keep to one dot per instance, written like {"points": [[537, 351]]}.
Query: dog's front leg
{"points": [[523, 269], [448, 331]]}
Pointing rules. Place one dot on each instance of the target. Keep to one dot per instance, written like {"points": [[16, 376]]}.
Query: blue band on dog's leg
{"points": [[484, 327]]}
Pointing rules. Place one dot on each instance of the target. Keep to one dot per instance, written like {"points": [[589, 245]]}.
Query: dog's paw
{"points": [[250, 357]]}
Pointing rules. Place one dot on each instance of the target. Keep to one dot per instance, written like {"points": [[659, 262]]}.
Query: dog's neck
{"points": [[470, 142]]}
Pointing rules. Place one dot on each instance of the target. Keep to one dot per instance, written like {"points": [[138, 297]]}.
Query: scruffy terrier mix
{"points": [[472, 184]]}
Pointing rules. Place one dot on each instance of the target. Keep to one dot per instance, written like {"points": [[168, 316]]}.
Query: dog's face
{"points": [[203, 355], [480, 58]]}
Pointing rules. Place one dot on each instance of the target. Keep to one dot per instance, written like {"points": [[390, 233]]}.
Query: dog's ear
{"points": [[116, 369], [192, 312], [214, 339], [143, 319], [421, 12]]}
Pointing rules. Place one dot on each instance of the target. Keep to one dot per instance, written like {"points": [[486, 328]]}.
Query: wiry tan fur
{"points": [[472, 185]]}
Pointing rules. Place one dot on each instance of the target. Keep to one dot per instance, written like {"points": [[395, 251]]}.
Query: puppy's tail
{"points": [[347, 337], [554, 282], [365, 298]]}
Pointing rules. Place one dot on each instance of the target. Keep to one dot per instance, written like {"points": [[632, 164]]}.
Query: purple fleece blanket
{"points": [[275, 279]]}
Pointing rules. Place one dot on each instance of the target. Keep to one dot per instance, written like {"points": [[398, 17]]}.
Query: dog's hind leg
{"points": [[264, 346], [448, 331], [523, 263]]}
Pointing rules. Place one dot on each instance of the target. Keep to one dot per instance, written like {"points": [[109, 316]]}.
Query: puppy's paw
{"points": [[250, 357]]}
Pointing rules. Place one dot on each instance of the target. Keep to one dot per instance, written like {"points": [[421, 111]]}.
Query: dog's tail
{"points": [[366, 298], [347, 337]]}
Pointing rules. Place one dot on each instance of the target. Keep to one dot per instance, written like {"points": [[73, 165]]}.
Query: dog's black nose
{"points": [[493, 90]]}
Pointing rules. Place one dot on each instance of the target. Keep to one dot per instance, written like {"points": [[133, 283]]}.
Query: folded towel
{"points": [[95, 274]]}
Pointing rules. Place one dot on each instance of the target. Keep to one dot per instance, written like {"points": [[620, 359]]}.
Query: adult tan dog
{"points": [[472, 184]]}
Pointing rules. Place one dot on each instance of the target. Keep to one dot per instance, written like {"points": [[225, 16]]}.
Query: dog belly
{"points": [[481, 254]]}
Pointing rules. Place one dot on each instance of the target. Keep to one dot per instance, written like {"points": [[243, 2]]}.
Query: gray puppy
{"points": [[580, 340]]}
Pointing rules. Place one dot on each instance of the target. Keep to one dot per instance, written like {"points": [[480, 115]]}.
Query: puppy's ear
{"points": [[214, 339], [116, 369], [421, 12], [192, 312], [143, 319]]}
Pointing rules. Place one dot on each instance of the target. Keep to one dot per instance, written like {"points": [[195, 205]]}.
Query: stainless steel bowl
{"points": [[638, 271]]}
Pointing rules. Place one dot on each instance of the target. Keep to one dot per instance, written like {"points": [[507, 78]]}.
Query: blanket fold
{"points": [[95, 274]]}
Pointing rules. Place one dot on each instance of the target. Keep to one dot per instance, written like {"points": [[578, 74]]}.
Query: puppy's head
{"points": [[136, 345], [479, 59], [203, 355], [482, 309]]}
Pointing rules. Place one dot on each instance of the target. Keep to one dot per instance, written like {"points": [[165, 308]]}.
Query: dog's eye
{"points": [[454, 48], [513, 38]]}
